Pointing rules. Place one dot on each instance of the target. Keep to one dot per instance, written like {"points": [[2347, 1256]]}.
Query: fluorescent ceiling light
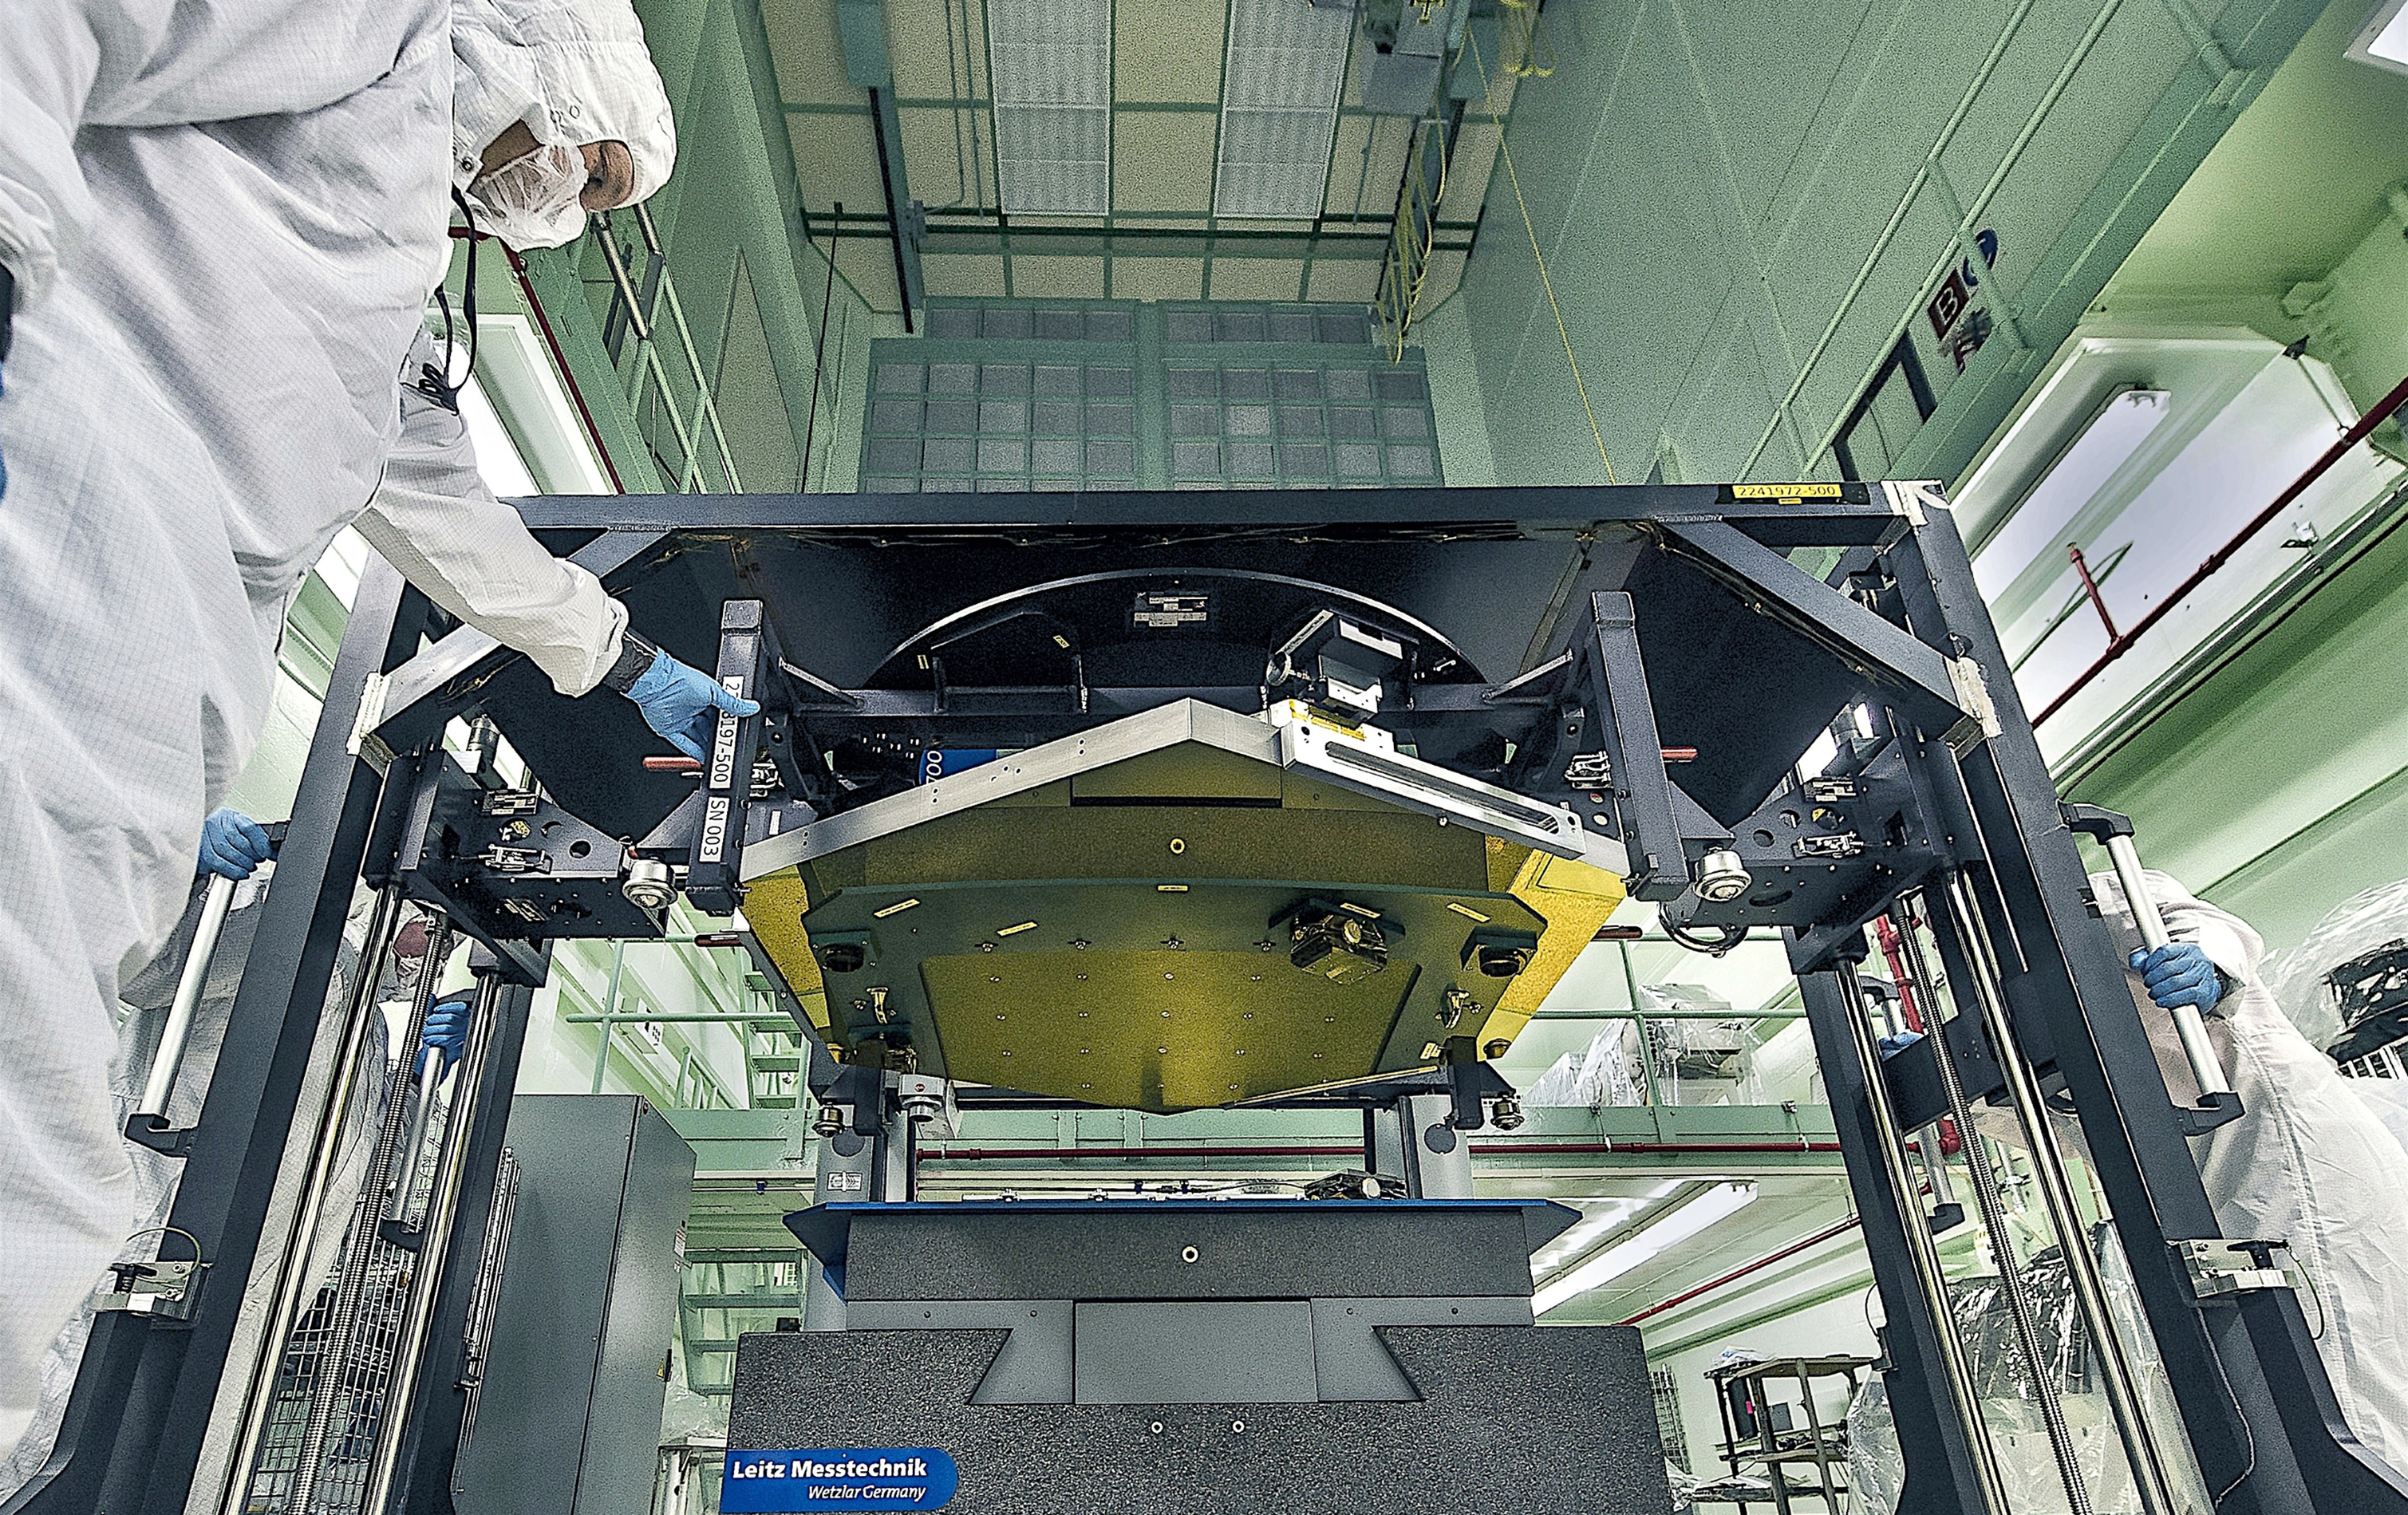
{"points": [[1719, 1202], [497, 456], [514, 374], [1598, 1217], [1286, 64], [2104, 445], [2383, 41], [1052, 65]]}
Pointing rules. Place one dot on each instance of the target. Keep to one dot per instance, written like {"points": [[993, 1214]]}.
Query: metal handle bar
{"points": [[2219, 1103], [187, 1002]]}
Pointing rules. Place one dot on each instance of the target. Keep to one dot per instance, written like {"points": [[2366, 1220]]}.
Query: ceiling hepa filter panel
{"points": [[1279, 106], [1052, 65]]}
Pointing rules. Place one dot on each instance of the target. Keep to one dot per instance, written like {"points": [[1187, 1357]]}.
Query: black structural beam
{"points": [[2256, 1452], [1642, 790], [1856, 517], [431, 1421]]}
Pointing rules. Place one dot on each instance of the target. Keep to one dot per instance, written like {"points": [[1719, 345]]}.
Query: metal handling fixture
{"points": [[149, 1124], [216, 899], [2218, 1102], [1280, 801]]}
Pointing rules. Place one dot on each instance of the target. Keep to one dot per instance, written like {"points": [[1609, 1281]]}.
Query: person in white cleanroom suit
{"points": [[234, 846], [556, 109], [2309, 1161], [221, 221], [220, 225]]}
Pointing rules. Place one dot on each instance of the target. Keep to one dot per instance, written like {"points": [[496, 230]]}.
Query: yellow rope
{"points": [[1472, 42]]}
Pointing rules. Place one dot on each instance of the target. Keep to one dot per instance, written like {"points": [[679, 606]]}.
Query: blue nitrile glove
{"points": [[682, 703], [447, 1029], [2179, 973], [1893, 1045], [232, 843]]}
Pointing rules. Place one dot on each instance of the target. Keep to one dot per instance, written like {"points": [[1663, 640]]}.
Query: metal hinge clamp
{"points": [[2219, 1267]]}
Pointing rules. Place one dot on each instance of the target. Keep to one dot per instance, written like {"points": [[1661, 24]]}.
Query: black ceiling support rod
{"points": [[882, 108]]}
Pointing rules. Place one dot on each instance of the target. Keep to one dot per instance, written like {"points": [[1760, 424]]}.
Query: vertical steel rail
{"points": [[293, 1282], [342, 1333], [428, 1414], [429, 1072], [1923, 1253], [2259, 1447], [2045, 1388], [2057, 1195], [433, 1251]]}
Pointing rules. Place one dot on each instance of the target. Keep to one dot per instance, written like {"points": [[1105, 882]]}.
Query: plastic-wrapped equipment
{"points": [[2010, 1406], [1876, 1465], [1605, 1072], [2357, 928]]}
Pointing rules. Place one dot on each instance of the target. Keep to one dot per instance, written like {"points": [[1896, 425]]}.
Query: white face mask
{"points": [[530, 201]]}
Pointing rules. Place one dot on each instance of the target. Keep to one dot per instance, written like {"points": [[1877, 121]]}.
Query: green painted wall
{"points": [[1745, 207], [751, 284], [1444, 336], [2279, 786]]}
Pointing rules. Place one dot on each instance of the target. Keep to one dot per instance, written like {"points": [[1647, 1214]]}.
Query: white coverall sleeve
{"points": [[67, 64], [52, 56], [435, 520]]}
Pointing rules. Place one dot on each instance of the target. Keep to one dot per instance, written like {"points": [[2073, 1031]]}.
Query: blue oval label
{"points": [[883, 1477]]}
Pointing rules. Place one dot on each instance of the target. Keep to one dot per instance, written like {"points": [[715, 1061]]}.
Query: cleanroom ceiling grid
{"points": [[1279, 106], [1288, 396], [1051, 61]]}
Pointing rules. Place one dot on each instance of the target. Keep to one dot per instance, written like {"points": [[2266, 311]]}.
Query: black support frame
{"points": [[1906, 619]]}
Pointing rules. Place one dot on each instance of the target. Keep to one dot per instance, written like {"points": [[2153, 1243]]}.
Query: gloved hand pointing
{"points": [[682, 703], [447, 1030], [2180, 973], [232, 843]]}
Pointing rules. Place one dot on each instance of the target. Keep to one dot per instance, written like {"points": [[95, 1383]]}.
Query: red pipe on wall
{"points": [[1574, 1148], [559, 358], [1743, 1270], [560, 361], [2118, 646], [979, 1154]]}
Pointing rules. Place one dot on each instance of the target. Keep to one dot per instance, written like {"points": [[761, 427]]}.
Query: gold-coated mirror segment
{"points": [[1574, 899], [1156, 1031], [1182, 929], [774, 908]]}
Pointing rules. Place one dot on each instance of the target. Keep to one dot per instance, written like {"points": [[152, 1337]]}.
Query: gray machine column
{"points": [[866, 1156], [1413, 1139]]}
